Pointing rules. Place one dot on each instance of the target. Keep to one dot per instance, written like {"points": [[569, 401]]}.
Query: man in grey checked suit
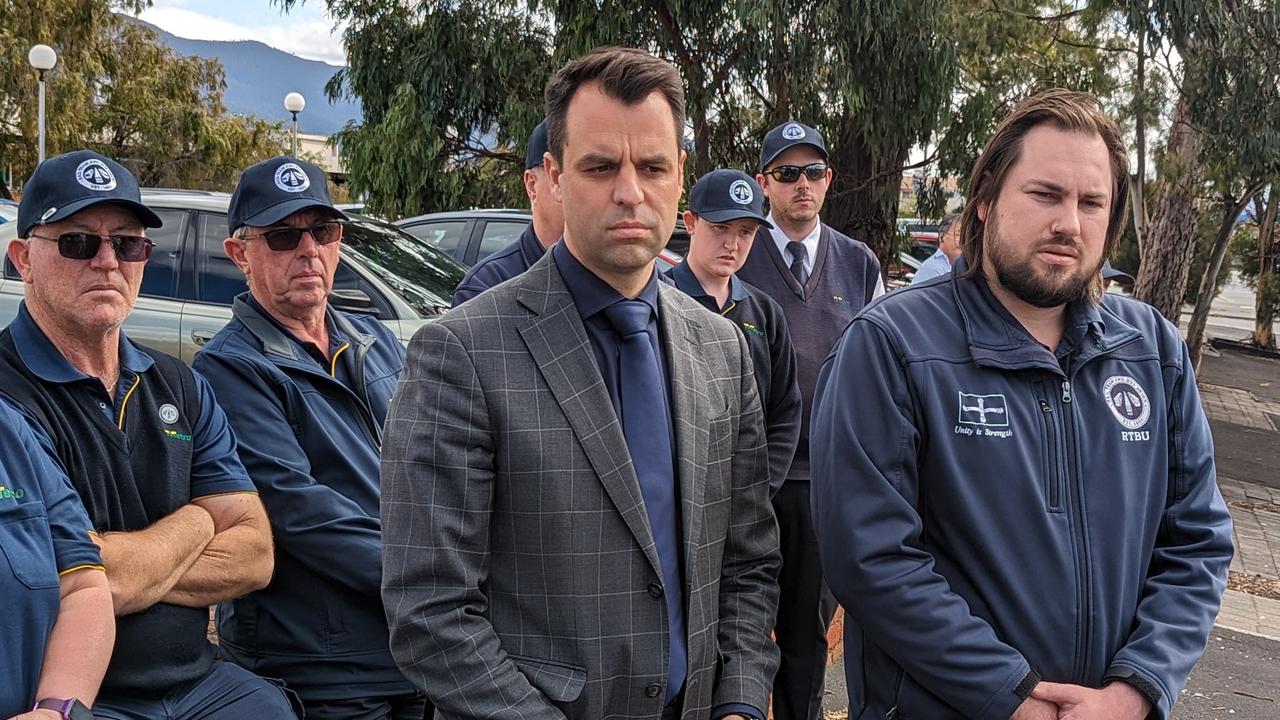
{"points": [[546, 555]]}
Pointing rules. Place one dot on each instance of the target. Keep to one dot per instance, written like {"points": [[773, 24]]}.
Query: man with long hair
{"points": [[1013, 479]]}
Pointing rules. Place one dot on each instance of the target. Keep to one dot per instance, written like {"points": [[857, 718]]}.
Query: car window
{"points": [[497, 235], [420, 274], [344, 278], [160, 277], [220, 281], [446, 236]]}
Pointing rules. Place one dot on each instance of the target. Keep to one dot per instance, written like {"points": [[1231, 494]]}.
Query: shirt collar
{"points": [[591, 294], [44, 360], [689, 284], [531, 247], [780, 238], [336, 336]]}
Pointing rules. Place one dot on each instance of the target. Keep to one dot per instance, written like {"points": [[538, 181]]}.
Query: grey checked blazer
{"points": [[519, 573]]}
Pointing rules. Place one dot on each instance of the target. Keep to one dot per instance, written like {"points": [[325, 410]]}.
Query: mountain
{"points": [[259, 76]]}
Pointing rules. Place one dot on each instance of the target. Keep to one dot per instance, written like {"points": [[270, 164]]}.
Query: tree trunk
{"points": [[1171, 240], [1139, 184], [1268, 257], [863, 199], [1204, 298]]}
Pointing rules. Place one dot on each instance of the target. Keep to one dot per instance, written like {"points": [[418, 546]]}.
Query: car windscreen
{"points": [[422, 275]]}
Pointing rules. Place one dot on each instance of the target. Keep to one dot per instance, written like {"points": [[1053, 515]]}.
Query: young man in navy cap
{"points": [[542, 233], [821, 279], [178, 522], [726, 208], [307, 389]]}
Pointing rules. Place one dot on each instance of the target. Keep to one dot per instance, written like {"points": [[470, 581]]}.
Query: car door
{"points": [[157, 314], [217, 282]]}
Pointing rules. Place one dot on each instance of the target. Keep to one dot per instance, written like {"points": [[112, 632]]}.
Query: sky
{"points": [[305, 31]]}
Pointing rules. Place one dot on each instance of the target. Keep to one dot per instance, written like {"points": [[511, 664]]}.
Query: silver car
{"points": [[189, 282]]}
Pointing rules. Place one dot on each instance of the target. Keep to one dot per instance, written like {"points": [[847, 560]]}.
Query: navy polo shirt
{"points": [[133, 458], [44, 534], [501, 266]]}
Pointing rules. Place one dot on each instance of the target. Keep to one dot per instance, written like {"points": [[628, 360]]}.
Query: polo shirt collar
{"points": [[688, 283], [590, 294], [43, 359], [531, 247]]}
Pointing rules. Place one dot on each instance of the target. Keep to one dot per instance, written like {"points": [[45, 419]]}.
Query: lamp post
{"points": [[42, 58], [294, 102]]}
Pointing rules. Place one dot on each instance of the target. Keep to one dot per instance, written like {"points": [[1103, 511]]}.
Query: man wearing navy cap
{"points": [[821, 278], [307, 389], [542, 233], [726, 208], [145, 445]]}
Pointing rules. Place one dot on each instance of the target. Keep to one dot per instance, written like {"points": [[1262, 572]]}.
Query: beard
{"points": [[1047, 287]]}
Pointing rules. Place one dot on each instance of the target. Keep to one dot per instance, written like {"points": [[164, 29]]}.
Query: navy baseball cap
{"points": [[788, 135], [724, 195], [1110, 273], [274, 189], [537, 147], [64, 185]]}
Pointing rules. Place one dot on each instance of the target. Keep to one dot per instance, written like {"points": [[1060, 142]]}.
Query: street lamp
{"points": [[294, 102], [42, 58]]}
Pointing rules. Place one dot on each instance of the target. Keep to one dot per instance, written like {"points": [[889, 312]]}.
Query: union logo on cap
{"points": [[793, 131], [740, 192], [291, 178], [95, 175]]}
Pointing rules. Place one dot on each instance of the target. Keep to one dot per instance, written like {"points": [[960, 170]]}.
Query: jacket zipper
{"points": [[1082, 544], [1054, 474]]}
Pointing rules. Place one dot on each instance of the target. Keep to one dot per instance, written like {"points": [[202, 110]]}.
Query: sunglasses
{"points": [[284, 239], [791, 173], [85, 246]]}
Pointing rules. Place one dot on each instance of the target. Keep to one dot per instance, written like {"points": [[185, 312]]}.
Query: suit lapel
{"points": [[558, 343], [687, 377]]}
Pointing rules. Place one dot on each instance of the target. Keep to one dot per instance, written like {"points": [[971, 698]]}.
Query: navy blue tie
{"points": [[644, 423]]}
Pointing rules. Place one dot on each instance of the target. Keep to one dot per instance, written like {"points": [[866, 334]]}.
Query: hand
{"points": [[1117, 701], [1035, 709]]}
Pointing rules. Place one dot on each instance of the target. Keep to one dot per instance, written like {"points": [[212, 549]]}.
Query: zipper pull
{"points": [[1066, 391], [1044, 406]]}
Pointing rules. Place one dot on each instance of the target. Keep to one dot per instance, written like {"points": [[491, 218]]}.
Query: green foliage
{"points": [[117, 90], [1206, 233], [450, 91]]}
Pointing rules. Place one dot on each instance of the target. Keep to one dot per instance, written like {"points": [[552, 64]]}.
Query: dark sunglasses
{"points": [[791, 173], [85, 246], [284, 239]]}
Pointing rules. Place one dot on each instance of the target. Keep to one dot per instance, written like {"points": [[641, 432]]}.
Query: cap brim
{"points": [[282, 210], [145, 214], [720, 216], [1113, 274], [821, 150]]}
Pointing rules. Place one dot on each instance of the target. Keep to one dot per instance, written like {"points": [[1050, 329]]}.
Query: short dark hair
{"points": [[1065, 110], [944, 225], [625, 74]]}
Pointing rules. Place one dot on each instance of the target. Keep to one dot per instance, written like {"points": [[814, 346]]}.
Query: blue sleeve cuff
{"points": [[736, 709]]}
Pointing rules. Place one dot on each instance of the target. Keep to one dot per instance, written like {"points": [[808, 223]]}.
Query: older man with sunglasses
{"points": [[821, 279], [307, 389], [148, 451]]}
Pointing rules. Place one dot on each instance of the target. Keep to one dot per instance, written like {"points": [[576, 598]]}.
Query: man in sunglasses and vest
{"points": [[148, 450], [307, 389], [821, 279]]}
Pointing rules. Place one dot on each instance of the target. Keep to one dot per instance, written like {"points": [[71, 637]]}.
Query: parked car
{"points": [[189, 282], [472, 235], [8, 211]]}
